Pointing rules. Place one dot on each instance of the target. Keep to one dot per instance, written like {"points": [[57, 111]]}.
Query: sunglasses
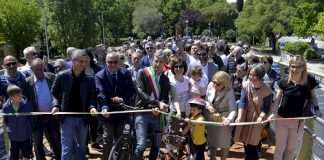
{"points": [[296, 67], [215, 83], [264, 62], [11, 64], [112, 62], [202, 55], [180, 66], [148, 48]]}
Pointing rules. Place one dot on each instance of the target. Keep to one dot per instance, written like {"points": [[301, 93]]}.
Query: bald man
{"points": [[114, 86], [40, 98], [11, 76]]}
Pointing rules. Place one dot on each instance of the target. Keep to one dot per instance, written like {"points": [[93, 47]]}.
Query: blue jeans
{"points": [[144, 122], [74, 129]]}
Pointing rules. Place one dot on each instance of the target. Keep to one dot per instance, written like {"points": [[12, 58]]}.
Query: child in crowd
{"points": [[197, 130], [19, 127], [198, 83]]}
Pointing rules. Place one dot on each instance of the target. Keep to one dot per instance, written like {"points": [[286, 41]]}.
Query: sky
{"points": [[231, 1]]}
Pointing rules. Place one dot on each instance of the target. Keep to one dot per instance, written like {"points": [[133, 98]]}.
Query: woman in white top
{"points": [[180, 84], [221, 100]]}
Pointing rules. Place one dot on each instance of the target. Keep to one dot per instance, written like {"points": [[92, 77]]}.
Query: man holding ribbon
{"points": [[114, 86], [153, 93], [74, 94]]}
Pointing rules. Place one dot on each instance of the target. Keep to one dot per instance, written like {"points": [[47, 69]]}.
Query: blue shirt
{"points": [[43, 93]]}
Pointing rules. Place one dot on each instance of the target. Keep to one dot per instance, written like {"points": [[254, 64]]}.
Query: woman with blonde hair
{"points": [[221, 106], [292, 95]]}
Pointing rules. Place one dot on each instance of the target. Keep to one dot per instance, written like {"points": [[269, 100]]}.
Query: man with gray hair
{"points": [[30, 54], [153, 93], [74, 91], [233, 59], [69, 52]]}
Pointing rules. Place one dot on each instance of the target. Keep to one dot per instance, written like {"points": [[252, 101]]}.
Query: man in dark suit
{"points": [[114, 86], [74, 91], [147, 59], [150, 97], [40, 98]]}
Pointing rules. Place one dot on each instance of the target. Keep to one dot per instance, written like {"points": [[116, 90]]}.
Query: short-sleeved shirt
{"points": [[198, 131], [294, 97]]}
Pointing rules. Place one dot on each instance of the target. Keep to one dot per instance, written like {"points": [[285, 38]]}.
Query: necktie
{"points": [[114, 78]]}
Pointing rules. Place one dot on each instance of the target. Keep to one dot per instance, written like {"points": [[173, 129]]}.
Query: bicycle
{"points": [[174, 145], [124, 146]]}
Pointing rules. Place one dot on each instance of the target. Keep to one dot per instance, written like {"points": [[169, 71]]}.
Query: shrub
{"points": [[310, 54], [296, 47]]}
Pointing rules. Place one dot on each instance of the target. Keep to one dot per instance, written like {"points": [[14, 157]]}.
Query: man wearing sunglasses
{"points": [[30, 54], [147, 59], [10, 76], [115, 86]]}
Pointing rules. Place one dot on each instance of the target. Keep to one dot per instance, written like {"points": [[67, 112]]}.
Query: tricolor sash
{"points": [[153, 81]]}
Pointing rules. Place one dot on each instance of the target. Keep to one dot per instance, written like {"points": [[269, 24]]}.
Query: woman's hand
{"points": [[211, 109], [226, 122], [260, 119], [238, 120]]}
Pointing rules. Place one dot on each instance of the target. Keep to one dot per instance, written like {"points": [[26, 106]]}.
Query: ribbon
{"points": [[150, 110]]}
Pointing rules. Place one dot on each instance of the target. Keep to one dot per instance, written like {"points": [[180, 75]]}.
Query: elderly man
{"points": [[233, 59], [154, 96], [115, 86], [147, 59], [40, 98], [30, 54], [74, 91]]}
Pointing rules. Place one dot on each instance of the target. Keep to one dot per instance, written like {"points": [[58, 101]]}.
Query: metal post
{"points": [[102, 29], [187, 28], [209, 29], [45, 28]]}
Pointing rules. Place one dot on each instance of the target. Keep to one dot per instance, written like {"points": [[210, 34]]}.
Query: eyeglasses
{"points": [[245, 48], [264, 62], [217, 84], [112, 62], [11, 64], [148, 48], [180, 66], [202, 55], [296, 66]]}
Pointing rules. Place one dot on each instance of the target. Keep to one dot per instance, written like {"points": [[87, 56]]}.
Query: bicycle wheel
{"points": [[122, 149]]}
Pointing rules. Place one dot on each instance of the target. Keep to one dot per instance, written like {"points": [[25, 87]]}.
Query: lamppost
{"points": [[42, 7], [209, 29], [102, 26], [187, 28]]}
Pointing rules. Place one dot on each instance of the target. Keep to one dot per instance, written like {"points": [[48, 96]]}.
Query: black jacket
{"points": [[61, 91]]}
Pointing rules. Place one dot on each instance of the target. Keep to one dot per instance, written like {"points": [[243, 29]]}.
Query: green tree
{"points": [[74, 24], [198, 4], [307, 17], [319, 27], [19, 23], [146, 21], [172, 11], [264, 18], [221, 15]]}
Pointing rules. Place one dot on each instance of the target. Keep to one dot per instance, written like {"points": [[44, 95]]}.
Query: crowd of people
{"points": [[202, 78]]}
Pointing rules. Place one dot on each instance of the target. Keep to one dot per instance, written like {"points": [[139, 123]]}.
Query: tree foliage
{"points": [[319, 26], [264, 18], [146, 21], [172, 11], [221, 15], [20, 23]]}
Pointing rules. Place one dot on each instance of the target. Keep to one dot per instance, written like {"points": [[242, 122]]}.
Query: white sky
{"points": [[231, 1]]}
